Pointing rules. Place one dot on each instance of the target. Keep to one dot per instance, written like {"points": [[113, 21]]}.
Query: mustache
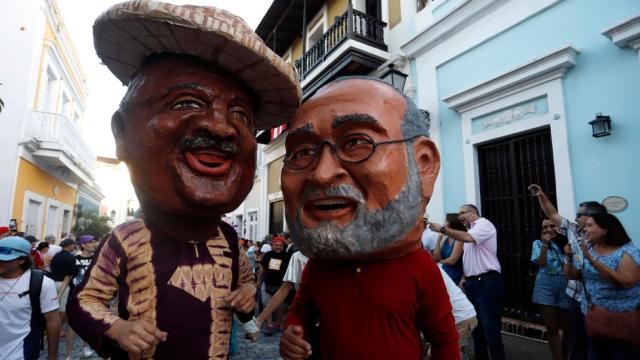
{"points": [[208, 141], [341, 190]]}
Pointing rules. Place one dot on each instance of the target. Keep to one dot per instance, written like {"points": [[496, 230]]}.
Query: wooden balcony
{"points": [[352, 25]]}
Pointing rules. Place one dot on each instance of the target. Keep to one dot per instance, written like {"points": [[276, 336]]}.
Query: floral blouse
{"points": [[601, 292], [554, 258]]}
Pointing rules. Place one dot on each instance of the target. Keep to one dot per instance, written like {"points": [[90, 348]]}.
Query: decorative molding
{"points": [[538, 71], [509, 115], [625, 34]]}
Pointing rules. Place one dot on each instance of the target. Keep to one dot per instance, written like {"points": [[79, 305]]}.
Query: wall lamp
{"points": [[601, 125], [394, 78]]}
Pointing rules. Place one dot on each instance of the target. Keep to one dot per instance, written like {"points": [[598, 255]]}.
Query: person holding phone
{"points": [[576, 234]]}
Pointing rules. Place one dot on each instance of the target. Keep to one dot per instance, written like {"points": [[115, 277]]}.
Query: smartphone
{"points": [[13, 225]]}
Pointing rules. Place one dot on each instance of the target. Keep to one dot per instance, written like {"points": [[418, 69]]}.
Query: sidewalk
{"points": [[267, 348], [516, 347]]}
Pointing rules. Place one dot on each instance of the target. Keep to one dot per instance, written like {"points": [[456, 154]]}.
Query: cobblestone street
{"points": [[265, 349]]}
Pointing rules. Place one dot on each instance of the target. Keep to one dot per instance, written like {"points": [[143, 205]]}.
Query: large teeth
{"points": [[328, 202]]}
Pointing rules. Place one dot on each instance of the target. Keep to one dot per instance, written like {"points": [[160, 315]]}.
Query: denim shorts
{"points": [[551, 290]]}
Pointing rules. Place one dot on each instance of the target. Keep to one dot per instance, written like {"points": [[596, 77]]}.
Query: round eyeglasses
{"points": [[349, 148]]}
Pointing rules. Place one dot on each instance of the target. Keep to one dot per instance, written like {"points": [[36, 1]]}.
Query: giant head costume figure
{"points": [[200, 83], [359, 171]]}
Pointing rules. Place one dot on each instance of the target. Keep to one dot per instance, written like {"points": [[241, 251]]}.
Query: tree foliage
{"points": [[92, 224]]}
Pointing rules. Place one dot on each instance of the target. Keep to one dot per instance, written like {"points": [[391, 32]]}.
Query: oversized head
{"points": [[359, 171]]}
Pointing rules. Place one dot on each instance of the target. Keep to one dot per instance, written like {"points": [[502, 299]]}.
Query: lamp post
{"points": [[601, 125], [394, 78]]}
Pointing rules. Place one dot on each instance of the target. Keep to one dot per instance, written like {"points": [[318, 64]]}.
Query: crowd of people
{"points": [[588, 283], [47, 272]]}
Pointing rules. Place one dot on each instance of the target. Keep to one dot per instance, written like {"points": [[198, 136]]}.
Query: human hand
{"points": [[242, 299], [535, 189], [136, 336], [568, 250], [292, 344], [254, 336], [585, 250]]}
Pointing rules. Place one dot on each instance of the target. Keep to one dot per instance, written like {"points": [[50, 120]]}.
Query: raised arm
{"points": [[546, 205]]}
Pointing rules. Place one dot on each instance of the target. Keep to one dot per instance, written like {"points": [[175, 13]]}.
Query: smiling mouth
{"points": [[208, 162], [331, 208]]}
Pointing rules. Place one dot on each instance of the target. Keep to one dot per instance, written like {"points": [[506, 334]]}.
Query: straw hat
{"points": [[125, 34]]}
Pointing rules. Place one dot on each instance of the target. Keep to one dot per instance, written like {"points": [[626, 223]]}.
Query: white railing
{"points": [[56, 132]]}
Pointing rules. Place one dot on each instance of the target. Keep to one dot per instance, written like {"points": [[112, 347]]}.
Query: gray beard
{"points": [[369, 231]]}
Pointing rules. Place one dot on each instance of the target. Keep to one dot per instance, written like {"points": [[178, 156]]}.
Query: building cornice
{"points": [[458, 19], [543, 69], [626, 33]]}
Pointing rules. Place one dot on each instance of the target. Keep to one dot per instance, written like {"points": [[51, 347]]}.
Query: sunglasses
{"points": [[581, 214], [7, 251]]}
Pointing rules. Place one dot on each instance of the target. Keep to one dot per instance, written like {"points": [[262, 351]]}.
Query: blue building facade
{"points": [[512, 86], [488, 70]]}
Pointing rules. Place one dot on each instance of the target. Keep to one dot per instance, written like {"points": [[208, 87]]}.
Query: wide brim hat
{"points": [[126, 33]]}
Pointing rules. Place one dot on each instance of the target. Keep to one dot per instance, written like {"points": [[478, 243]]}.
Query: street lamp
{"points": [[394, 77], [601, 125]]}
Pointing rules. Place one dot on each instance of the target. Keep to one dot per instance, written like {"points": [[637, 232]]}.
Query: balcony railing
{"points": [[55, 132], [353, 24]]}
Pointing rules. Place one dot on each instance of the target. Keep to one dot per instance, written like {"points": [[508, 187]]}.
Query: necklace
{"points": [[11, 288]]}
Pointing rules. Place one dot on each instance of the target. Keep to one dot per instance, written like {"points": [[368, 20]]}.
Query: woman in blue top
{"points": [[448, 252], [550, 287], [611, 276]]}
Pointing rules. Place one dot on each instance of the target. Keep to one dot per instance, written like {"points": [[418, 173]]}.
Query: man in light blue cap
{"points": [[21, 328]]}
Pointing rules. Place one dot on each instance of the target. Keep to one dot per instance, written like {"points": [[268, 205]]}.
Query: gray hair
{"points": [[414, 122]]}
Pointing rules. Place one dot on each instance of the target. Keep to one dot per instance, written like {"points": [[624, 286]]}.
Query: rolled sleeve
{"points": [[482, 231]]}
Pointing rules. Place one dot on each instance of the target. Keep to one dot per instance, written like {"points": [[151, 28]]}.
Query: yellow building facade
{"points": [[54, 168]]}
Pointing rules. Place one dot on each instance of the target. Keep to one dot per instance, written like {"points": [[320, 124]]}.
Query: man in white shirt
{"points": [[463, 311], [429, 239], [483, 281], [20, 329], [53, 250]]}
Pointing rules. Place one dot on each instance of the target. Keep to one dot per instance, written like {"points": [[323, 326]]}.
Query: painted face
{"points": [[593, 231], [336, 208], [188, 138], [549, 227]]}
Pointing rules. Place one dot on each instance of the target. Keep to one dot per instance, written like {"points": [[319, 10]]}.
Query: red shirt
{"points": [[37, 258], [376, 309]]}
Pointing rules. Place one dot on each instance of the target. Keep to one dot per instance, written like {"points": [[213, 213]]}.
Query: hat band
{"points": [[7, 250]]}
